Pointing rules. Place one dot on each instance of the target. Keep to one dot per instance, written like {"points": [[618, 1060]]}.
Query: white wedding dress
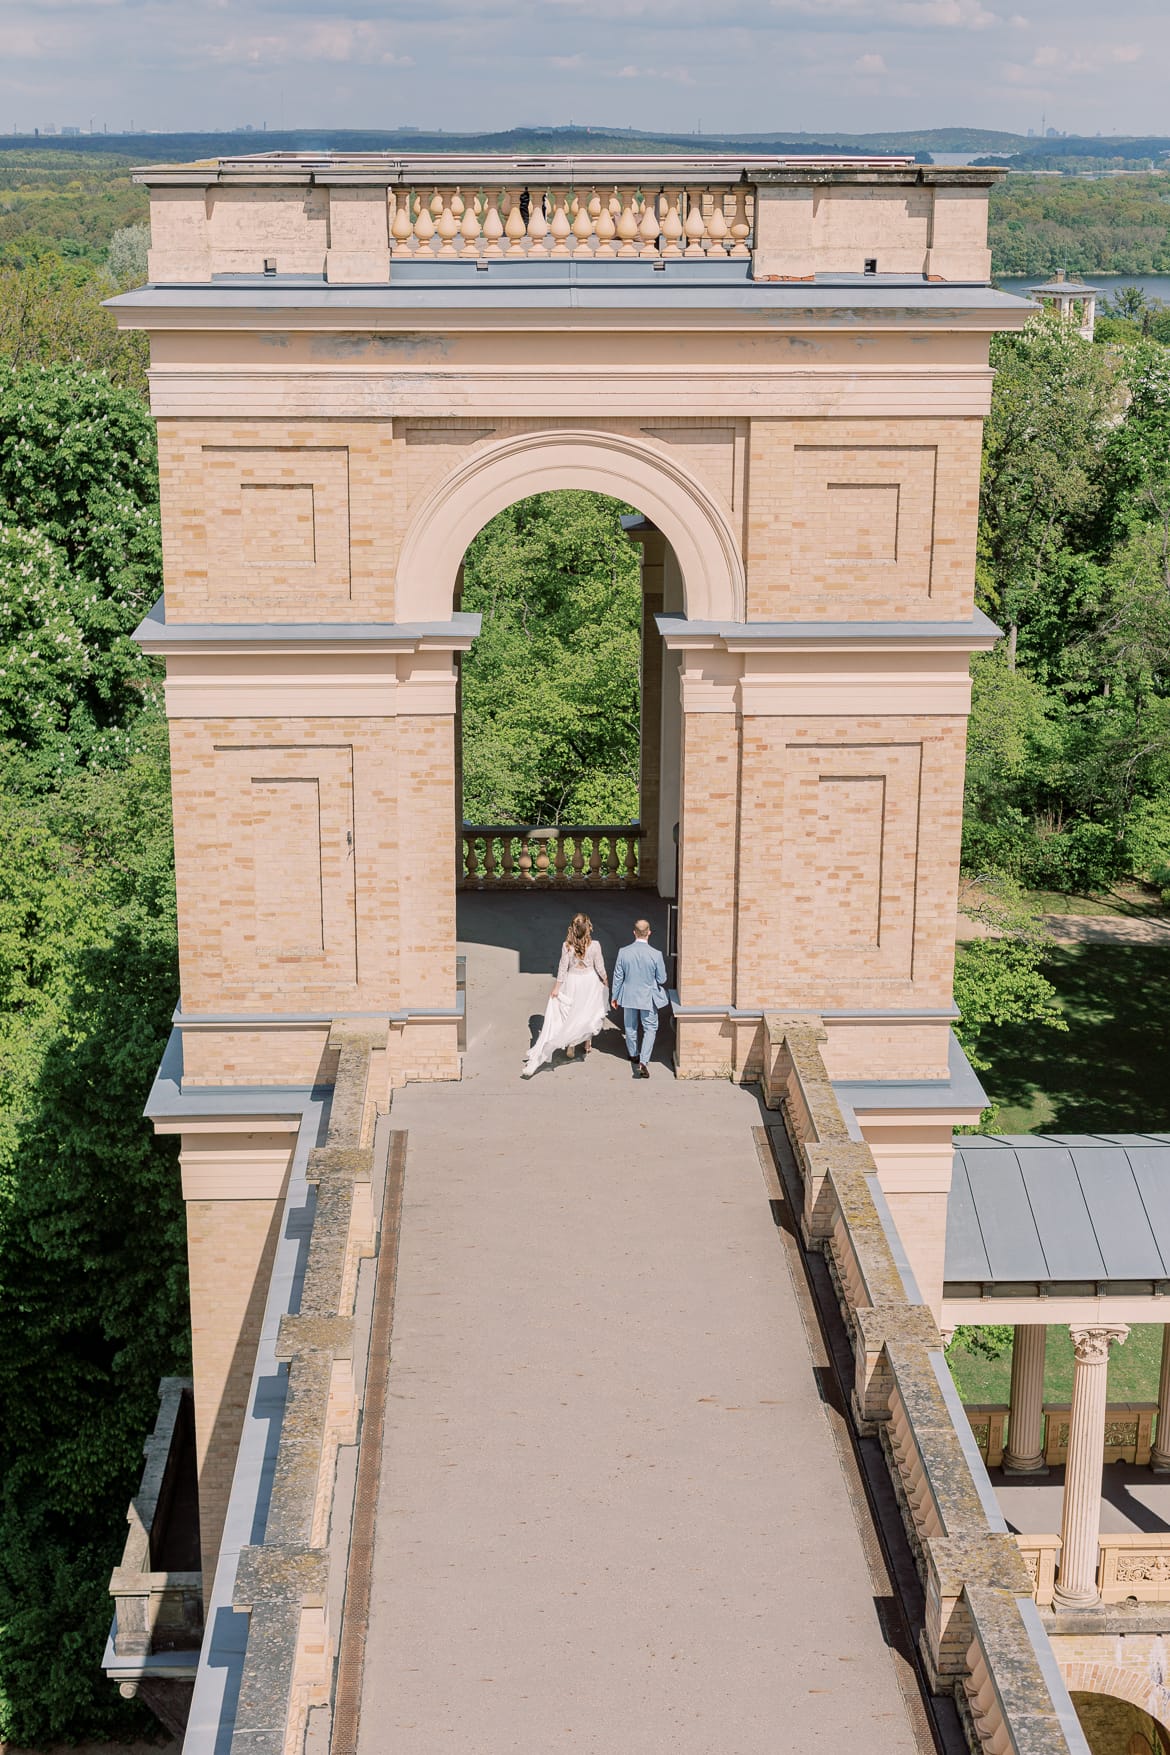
{"points": [[576, 1011]]}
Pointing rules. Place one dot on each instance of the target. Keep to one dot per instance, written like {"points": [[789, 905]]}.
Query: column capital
{"points": [[1092, 1345]]}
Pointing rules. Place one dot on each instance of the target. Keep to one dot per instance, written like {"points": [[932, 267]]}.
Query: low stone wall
{"points": [[288, 1584], [158, 1607], [981, 1639]]}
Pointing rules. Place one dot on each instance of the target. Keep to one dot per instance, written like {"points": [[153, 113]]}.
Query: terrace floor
{"points": [[615, 1509]]}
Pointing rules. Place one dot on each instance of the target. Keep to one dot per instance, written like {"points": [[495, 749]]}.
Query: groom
{"points": [[639, 989]]}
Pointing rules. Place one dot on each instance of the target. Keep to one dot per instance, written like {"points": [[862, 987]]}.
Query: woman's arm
{"points": [[598, 963], [562, 970]]}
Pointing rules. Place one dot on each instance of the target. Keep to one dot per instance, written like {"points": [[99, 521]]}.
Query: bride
{"points": [[577, 1005]]}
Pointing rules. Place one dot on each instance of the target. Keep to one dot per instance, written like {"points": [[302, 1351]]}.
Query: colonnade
{"points": [[1080, 1523]]}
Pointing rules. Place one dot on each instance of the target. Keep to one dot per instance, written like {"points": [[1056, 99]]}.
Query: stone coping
{"points": [[282, 1582], [981, 1638]]}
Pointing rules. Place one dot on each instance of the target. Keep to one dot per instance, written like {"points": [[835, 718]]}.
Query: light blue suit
{"points": [[639, 985]]}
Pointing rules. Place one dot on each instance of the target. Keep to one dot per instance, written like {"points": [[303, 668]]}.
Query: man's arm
{"points": [[619, 977], [661, 968]]}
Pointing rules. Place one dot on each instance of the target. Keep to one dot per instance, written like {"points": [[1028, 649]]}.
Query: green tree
{"points": [[550, 688], [80, 558], [999, 979], [1042, 462]]}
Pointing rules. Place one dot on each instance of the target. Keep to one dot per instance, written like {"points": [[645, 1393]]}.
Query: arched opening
{"points": [[497, 473], [1121, 1711], [569, 728]]}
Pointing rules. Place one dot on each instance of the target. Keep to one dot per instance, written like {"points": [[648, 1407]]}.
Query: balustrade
{"points": [[1129, 1431], [539, 221], [502, 856]]}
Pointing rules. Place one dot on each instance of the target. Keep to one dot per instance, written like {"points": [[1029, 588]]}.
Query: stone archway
{"points": [[617, 464], [1132, 1686]]}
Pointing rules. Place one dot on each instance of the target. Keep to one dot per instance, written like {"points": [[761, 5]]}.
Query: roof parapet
{"points": [[346, 217]]}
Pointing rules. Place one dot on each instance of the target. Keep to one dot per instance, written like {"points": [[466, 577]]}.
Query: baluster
{"points": [[560, 226], [696, 226], [633, 847], [525, 859], [672, 225], [515, 227], [594, 858], [506, 851], [470, 857], [401, 226], [578, 857], [604, 224], [716, 227], [649, 228], [583, 223], [448, 223], [538, 225], [493, 225], [469, 227], [559, 859], [489, 859], [739, 225], [627, 224], [424, 226], [542, 857]]}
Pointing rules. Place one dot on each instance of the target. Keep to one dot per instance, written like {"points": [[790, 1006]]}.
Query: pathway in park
{"points": [[613, 1514]]}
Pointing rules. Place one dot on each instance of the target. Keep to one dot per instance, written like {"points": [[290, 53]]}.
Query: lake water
{"points": [[1155, 286]]}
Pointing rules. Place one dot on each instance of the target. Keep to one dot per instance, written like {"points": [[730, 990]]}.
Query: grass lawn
{"points": [[1133, 1369], [1109, 1074], [1126, 901]]}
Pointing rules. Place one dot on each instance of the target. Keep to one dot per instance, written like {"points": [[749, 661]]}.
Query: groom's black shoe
{"points": [[636, 1065], [643, 1071]]}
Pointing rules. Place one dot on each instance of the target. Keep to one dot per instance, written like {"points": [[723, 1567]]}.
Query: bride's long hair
{"points": [[579, 935]]}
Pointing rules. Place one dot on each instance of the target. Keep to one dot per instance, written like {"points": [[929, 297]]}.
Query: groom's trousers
{"points": [[647, 1016]]}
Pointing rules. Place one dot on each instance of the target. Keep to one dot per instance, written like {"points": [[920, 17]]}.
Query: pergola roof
{"points": [[1059, 1210]]}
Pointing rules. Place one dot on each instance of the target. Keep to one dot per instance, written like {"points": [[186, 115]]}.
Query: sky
{"points": [[674, 65]]}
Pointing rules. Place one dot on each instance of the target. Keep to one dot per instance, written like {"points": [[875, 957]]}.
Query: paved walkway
{"points": [[1133, 1501], [612, 1515], [1085, 929]]}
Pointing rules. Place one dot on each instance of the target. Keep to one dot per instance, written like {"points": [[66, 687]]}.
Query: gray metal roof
{"points": [[1045, 1209]]}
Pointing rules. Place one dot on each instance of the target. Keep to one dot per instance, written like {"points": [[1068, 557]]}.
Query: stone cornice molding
{"points": [[304, 639], [681, 633]]}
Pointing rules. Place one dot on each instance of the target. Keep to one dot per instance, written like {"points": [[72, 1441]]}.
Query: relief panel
{"points": [[286, 830], [850, 860], [865, 514], [278, 527]]}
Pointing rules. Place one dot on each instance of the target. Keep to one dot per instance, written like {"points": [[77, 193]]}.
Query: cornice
{"points": [[220, 639]]}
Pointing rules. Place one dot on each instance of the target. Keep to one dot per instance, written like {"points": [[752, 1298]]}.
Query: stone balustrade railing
{"points": [[1133, 1567], [1129, 1431], [502, 856], [981, 1638], [537, 219]]}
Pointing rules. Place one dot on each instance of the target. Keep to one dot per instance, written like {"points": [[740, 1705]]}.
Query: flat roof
{"points": [[662, 168], [1059, 1210], [487, 284]]}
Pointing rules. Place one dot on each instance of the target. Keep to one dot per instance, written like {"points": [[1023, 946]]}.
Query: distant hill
{"points": [[520, 141]]}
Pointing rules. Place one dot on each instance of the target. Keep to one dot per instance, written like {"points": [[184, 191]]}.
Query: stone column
{"points": [[1080, 1523], [1025, 1447], [1160, 1453]]}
